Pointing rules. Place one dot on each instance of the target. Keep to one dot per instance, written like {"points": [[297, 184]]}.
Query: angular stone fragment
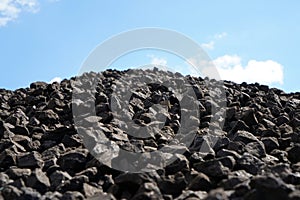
{"points": [[270, 143], [11, 192], [212, 168], [256, 149], [269, 187], [250, 164], [73, 195], [30, 160], [7, 158], [58, 177], [4, 179], [15, 172], [39, 181], [172, 184], [200, 182], [249, 117], [90, 191], [72, 161], [148, 191], [293, 153], [245, 137], [52, 196], [29, 193]]}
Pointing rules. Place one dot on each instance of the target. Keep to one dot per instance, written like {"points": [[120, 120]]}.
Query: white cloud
{"points": [[265, 72], [157, 60], [211, 44], [56, 79], [11, 9], [220, 35]]}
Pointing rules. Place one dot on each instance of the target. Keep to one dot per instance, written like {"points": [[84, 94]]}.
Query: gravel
{"points": [[255, 156]]}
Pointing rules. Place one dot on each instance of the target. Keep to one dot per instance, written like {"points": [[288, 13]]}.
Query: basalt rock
{"points": [[46, 154]]}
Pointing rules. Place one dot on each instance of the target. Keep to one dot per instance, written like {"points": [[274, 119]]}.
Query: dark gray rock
{"points": [[4, 179], [217, 194], [249, 117], [30, 160], [52, 196], [234, 179], [282, 120], [180, 164], [38, 180], [256, 149], [29, 193], [200, 181], [15, 173], [293, 153], [72, 161], [253, 156], [74, 184], [148, 191], [11, 192], [268, 187], [250, 164], [73, 195], [212, 168], [270, 143], [7, 158], [226, 152], [244, 137], [58, 177], [90, 191], [173, 184], [295, 195]]}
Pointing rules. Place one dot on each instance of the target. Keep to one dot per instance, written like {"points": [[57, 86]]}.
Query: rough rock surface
{"points": [[257, 155]]}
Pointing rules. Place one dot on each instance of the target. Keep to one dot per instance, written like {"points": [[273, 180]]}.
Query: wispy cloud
{"points": [[211, 44], [220, 35], [157, 60], [265, 72], [11, 9]]}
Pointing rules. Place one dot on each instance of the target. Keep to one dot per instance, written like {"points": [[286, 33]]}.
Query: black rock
{"points": [[4, 179], [270, 143], [7, 158], [73, 195], [29, 193], [256, 149], [52, 195], [234, 179], [173, 184], [30, 160], [268, 187], [11, 192], [212, 168], [148, 191], [90, 191], [249, 117], [250, 164], [15, 173], [74, 184], [293, 153], [72, 162], [38, 180], [200, 181], [244, 137], [253, 156], [58, 177]]}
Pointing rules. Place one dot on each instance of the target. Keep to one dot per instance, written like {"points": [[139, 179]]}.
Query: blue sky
{"points": [[249, 40]]}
